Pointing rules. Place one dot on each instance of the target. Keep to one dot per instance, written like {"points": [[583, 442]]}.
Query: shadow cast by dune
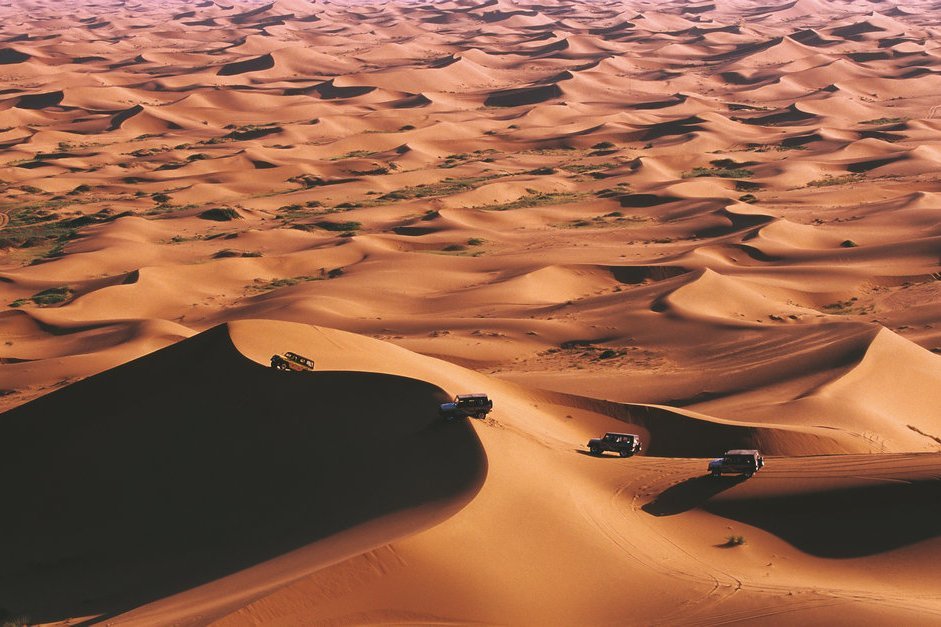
{"points": [[193, 463], [844, 523], [689, 494]]}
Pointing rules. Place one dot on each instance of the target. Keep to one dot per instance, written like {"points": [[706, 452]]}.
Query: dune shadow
{"points": [[845, 522], [193, 463], [690, 494]]}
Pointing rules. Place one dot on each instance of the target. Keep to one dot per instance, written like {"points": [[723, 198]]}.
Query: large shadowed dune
{"points": [[193, 463]]}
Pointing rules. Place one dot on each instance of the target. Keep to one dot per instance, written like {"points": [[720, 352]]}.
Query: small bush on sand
{"points": [[338, 226], [829, 180], [46, 298], [220, 214], [735, 541]]}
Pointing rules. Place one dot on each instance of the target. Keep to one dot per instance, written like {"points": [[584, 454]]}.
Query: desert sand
{"points": [[713, 224]]}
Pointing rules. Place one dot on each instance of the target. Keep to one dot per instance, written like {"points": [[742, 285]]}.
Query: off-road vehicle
{"points": [[465, 405], [737, 462], [624, 444], [291, 362]]}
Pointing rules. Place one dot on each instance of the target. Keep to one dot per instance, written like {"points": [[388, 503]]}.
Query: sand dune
{"points": [[713, 224]]}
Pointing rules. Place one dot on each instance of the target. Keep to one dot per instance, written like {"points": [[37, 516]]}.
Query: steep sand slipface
{"points": [[713, 224], [193, 463]]}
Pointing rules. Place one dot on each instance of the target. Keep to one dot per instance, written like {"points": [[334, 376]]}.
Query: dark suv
{"points": [[464, 405], [738, 462], [624, 444]]}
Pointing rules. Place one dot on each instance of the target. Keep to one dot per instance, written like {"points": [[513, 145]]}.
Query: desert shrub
{"points": [[735, 541], [749, 198], [881, 121], [475, 241], [829, 180], [534, 199], [160, 197], [728, 173], [220, 214], [338, 226], [848, 243], [228, 252], [46, 298], [603, 146]]}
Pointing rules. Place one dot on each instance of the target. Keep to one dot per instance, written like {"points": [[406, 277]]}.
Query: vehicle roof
{"points": [[472, 396], [633, 435], [742, 451], [290, 354]]}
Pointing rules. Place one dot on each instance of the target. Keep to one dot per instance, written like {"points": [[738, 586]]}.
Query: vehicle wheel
{"points": [[624, 453], [596, 451], [481, 416], [749, 475], [716, 474]]}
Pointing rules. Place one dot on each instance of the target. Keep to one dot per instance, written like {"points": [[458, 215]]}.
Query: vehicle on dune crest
{"points": [[291, 362], [465, 406], [624, 444], [737, 462]]}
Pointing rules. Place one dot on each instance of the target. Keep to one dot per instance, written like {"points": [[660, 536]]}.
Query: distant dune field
{"points": [[714, 224]]}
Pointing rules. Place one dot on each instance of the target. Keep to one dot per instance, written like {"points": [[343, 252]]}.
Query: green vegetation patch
{"points": [[338, 226], [46, 298], [446, 187], [266, 286], [585, 168], [355, 154], [723, 168], [829, 180], [220, 214], [535, 199], [881, 121]]}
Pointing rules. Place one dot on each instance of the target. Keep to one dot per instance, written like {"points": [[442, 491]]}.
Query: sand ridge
{"points": [[712, 224]]}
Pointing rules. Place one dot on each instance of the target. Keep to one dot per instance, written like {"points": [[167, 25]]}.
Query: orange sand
{"points": [[715, 225]]}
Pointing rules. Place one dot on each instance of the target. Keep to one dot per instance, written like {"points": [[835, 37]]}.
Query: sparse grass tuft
{"points": [[267, 286], [534, 199], [727, 173], [881, 121], [338, 226], [220, 214], [830, 180], [735, 541], [355, 154], [46, 298]]}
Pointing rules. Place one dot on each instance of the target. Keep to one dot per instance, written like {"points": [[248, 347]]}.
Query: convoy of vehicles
{"points": [[737, 461]]}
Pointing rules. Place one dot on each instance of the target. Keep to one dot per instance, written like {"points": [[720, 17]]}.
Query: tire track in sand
{"points": [[655, 550]]}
